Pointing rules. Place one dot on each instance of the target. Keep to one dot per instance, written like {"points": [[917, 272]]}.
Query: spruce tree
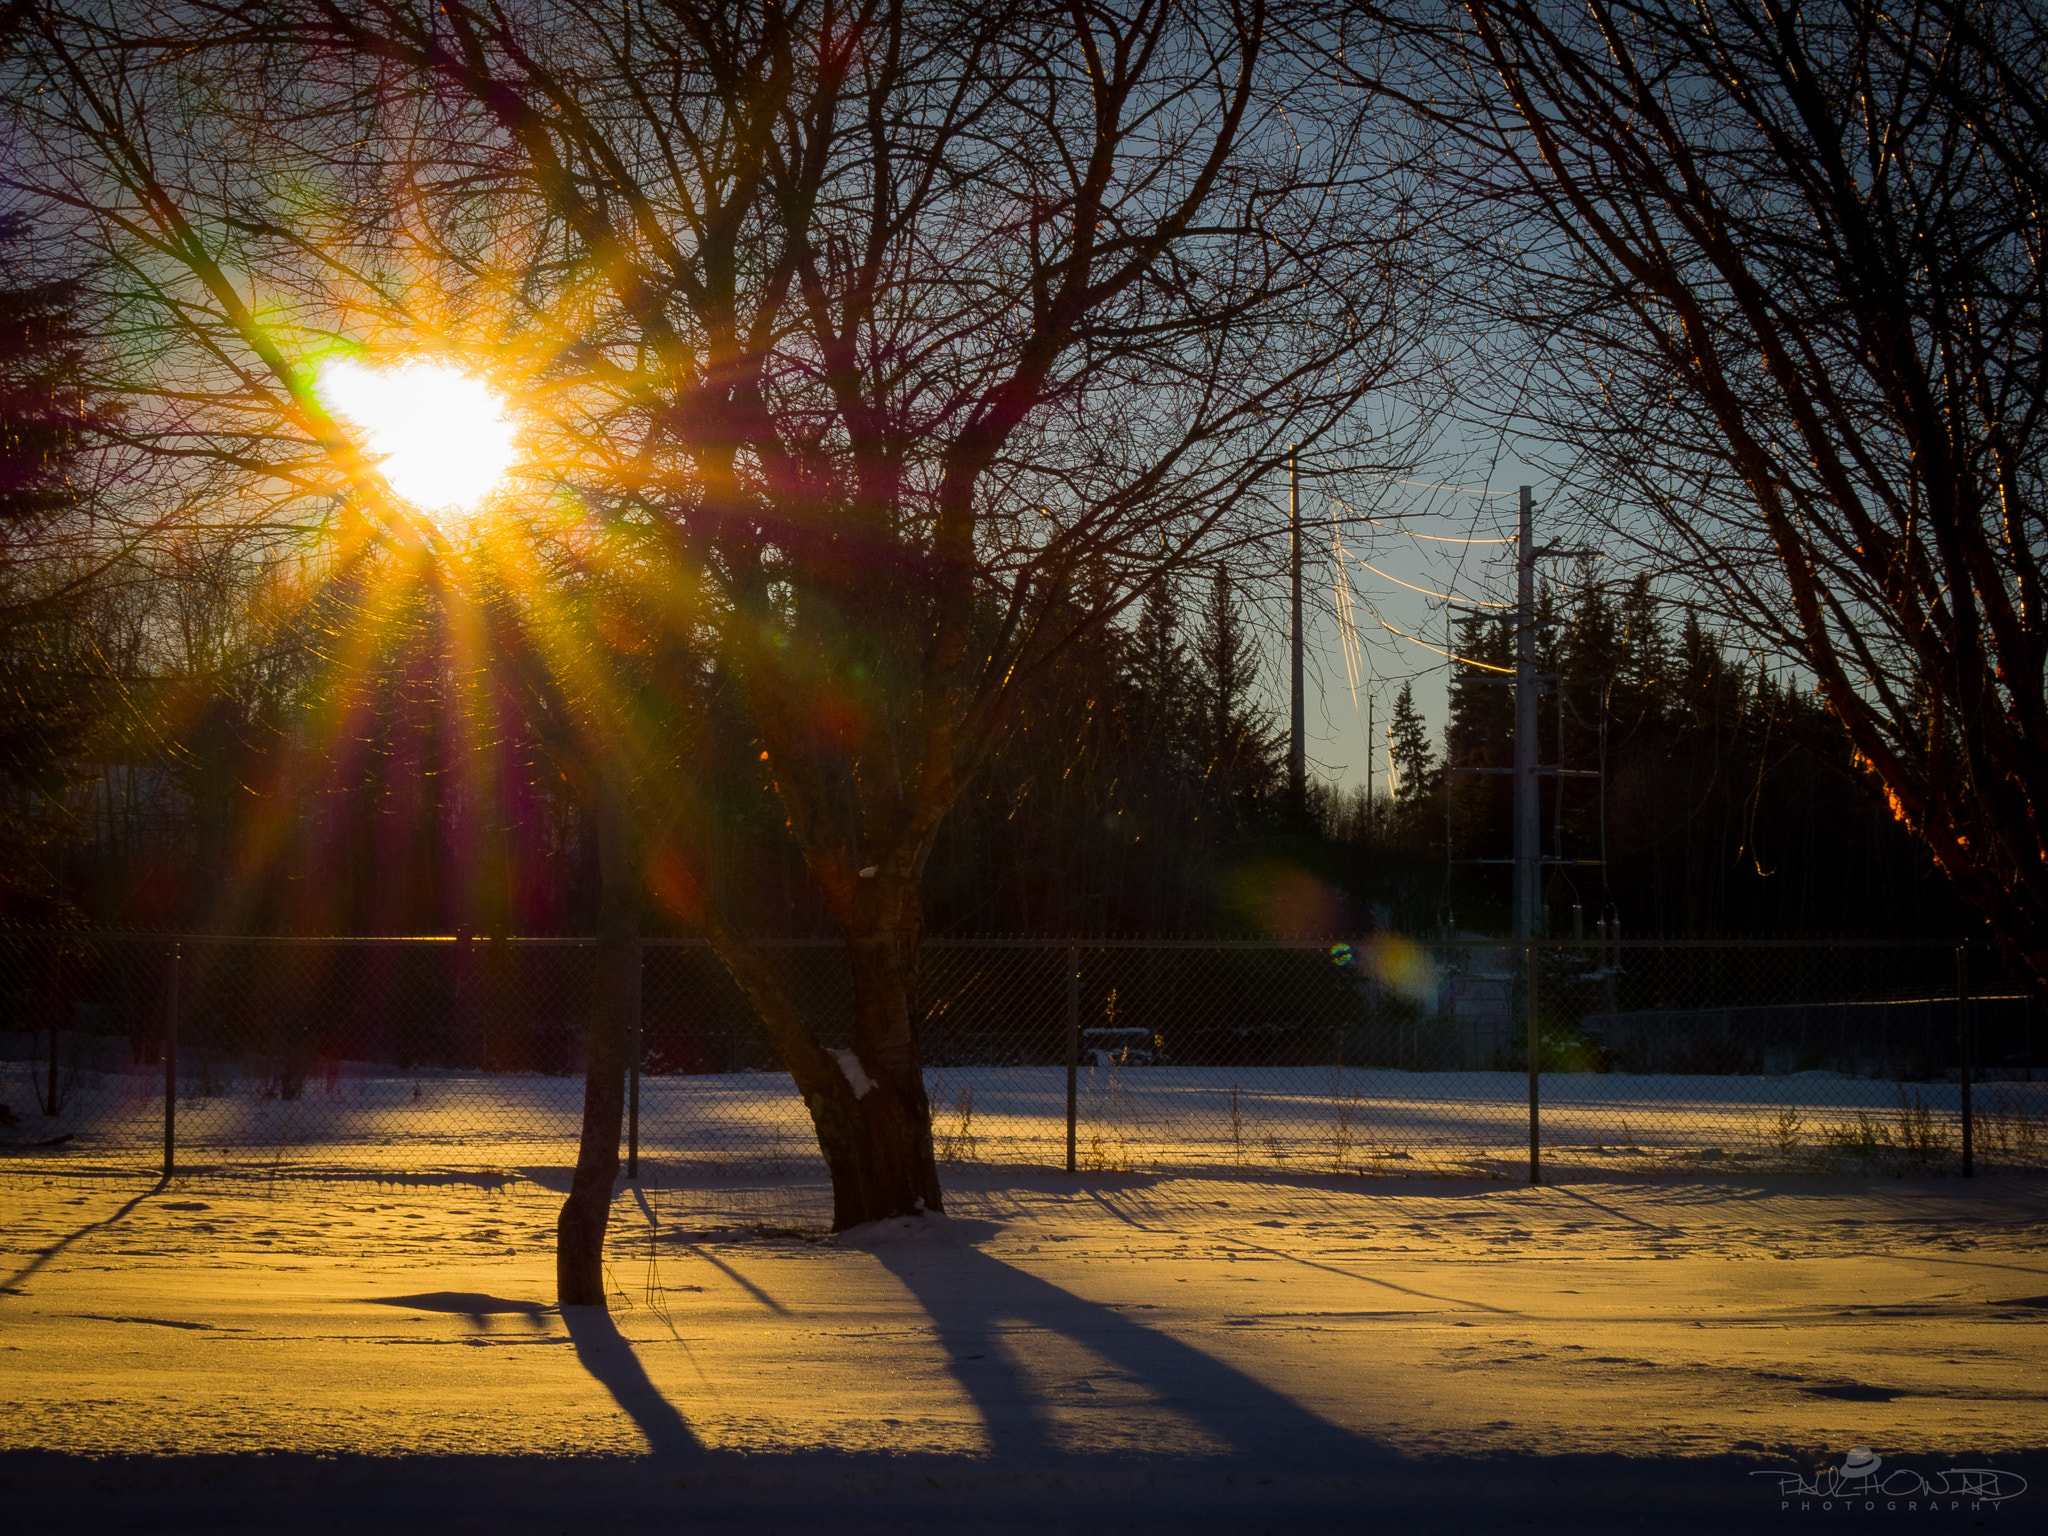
{"points": [[1237, 739], [1410, 749], [46, 700], [44, 410]]}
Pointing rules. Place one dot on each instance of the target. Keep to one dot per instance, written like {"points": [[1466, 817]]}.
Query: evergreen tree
{"points": [[48, 676], [1717, 816], [1157, 667], [1413, 758], [1238, 742], [1634, 695], [44, 415]]}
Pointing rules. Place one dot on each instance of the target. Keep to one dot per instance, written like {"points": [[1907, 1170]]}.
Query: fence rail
{"points": [[1377, 1056]]}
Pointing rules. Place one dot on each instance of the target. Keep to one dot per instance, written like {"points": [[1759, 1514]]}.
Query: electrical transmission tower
{"points": [[1527, 773]]}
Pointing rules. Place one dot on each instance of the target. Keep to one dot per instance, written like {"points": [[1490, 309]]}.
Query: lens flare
{"points": [[1403, 966], [1279, 897], [442, 439]]}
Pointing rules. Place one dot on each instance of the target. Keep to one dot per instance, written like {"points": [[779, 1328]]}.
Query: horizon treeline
{"points": [[1139, 789], [1704, 796], [205, 733]]}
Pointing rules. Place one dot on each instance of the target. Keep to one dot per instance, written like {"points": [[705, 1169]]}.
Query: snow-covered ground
{"points": [[1240, 1119], [1276, 1351]]}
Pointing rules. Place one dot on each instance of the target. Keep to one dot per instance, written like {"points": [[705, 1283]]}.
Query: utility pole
{"points": [[1297, 750], [1527, 773], [1528, 842], [1368, 758]]}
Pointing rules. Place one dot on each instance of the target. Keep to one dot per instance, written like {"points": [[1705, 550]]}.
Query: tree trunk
{"points": [[580, 1229], [867, 1103], [875, 1124]]}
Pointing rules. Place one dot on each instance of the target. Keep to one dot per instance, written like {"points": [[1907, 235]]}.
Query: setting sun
{"points": [[441, 436]]}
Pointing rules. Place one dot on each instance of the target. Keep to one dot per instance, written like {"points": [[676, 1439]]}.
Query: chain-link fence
{"points": [[1386, 1056]]}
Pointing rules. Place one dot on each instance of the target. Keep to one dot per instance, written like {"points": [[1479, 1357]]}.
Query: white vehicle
{"points": [[1121, 1047]]}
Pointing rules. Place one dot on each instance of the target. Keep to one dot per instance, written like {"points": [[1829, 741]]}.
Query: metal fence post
{"points": [[1963, 1056], [633, 1066], [462, 1001], [1535, 1066], [1073, 1045], [53, 1103], [171, 1064]]}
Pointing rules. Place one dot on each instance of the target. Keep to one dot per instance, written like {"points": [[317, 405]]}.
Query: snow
{"points": [[1228, 1119], [856, 1075], [924, 1227], [1279, 1350]]}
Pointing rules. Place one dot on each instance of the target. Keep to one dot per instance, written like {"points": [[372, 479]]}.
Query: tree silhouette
{"points": [[1777, 289], [1410, 752], [890, 351], [51, 682]]}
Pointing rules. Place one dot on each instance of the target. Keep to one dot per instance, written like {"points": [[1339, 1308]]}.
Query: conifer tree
{"points": [[1410, 749], [1238, 745], [45, 700]]}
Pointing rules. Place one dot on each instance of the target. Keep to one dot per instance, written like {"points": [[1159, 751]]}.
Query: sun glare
{"points": [[442, 439]]}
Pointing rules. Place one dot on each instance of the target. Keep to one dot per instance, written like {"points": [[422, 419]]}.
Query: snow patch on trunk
{"points": [[856, 1074]]}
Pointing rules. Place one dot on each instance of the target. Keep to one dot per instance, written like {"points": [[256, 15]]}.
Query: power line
{"points": [[1440, 596], [1347, 624], [1433, 538], [1426, 485], [1453, 655]]}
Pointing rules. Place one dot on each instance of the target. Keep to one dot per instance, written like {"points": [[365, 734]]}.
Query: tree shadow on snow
{"points": [[991, 1318], [477, 1308], [12, 1284], [607, 1355]]}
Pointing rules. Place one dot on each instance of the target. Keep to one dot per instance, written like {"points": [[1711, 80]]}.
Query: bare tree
{"points": [[886, 346], [1779, 265]]}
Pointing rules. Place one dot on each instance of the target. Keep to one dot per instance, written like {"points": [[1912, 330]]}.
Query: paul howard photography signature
{"points": [[1865, 1481]]}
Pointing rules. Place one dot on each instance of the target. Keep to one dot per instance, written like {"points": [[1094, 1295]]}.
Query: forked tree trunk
{"points": [[874, 1125], [867, 1104], [586, 1214]]}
